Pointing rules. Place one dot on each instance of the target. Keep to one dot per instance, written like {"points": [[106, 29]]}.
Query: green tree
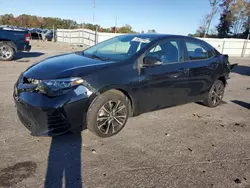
{"points": [[7, 19], [246, 24], [22, 21], [106, 30], [25, 20], [125, 29], [239, 12], [214, 9], [226, 19], [90, 26], [202, 30], [151, 31]]}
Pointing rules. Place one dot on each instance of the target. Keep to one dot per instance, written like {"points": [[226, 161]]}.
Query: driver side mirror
{"points": [[150, 61]]}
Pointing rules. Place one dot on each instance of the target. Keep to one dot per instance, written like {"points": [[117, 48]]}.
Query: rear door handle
{"points": [[179, 73]]}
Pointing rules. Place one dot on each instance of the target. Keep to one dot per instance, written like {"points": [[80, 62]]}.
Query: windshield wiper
{"points": [[93, 56], [98, 57]]}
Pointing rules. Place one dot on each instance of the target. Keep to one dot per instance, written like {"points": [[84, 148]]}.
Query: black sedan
{"points": [[105, 84]]}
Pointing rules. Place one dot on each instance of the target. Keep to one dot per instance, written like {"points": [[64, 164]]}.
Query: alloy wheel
{"points": [[5, 52], [111, 117], [217, 93]]}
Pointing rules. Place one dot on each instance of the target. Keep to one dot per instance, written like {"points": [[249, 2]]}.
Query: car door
{"points": [[166, 84], [203, 66]]}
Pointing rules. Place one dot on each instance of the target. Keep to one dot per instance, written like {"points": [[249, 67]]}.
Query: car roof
{"points": [[159, 35]]}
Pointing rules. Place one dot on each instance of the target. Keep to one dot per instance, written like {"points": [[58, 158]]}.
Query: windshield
{"points": [[118, 48]]}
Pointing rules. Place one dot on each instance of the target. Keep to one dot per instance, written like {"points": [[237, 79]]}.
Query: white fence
{"points": [[85, 37], [76, 36], [82, 36], [232, 47]]}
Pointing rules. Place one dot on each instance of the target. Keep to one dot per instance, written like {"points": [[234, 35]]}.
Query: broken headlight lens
{"points": [[57, 86]]}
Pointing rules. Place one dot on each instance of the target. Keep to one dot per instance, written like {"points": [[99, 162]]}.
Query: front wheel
{"points": [[108, 114], [215, 94], [7, 53]]}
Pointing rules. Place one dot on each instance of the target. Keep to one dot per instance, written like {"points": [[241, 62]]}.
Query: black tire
{"points": [[7, 53], [215, 95], [97, 116]]}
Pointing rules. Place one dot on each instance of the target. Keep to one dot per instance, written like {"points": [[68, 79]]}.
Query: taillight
{"points": [[227, 61], [27, 37], [228, 64]]}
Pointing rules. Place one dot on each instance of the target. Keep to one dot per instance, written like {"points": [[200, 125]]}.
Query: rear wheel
{"points": [[215, 94], [108, 114], [7, 53]]}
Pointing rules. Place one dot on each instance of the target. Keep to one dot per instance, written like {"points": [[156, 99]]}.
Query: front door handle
{"points": [[184, 70]]}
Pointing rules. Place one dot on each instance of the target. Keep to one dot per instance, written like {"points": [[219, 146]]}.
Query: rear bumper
{"points": [[45, 116], [27, 48], [23, 47]]}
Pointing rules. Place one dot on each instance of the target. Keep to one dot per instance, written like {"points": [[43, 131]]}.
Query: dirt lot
{"points": [[185, 146]]}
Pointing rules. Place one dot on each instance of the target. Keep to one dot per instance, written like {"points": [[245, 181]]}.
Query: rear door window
{"points": [[198, 51]]}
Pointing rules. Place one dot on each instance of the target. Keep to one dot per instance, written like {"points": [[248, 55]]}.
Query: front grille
{"points": [[56, 120]]}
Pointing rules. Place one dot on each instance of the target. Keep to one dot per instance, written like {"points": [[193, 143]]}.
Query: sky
{"points": [[165, 16]]}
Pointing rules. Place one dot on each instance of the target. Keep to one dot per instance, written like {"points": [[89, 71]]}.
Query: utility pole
{"points": [[245, 46], [115, 24], [93, 12], [54, 33]]}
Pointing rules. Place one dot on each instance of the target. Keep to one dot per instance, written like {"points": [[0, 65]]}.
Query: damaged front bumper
{"points": [[51, 116]]}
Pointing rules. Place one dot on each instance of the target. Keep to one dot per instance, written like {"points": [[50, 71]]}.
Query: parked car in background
{"points": [[124, 76], [35, 34], [13, 41], [48, 35]]}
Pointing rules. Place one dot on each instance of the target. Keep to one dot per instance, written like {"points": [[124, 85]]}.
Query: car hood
{"points": [[64, 66]]}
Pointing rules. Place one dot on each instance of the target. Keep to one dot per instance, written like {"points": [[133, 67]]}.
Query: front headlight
{"points": [[57, 86]]}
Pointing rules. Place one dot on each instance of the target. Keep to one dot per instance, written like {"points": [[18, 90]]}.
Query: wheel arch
{"points": [[223, 79], [4, 41], [131, 101], [125, 92]]}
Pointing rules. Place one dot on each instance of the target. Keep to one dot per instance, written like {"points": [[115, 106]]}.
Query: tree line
{"points": [[234, 20], [30, 21]]}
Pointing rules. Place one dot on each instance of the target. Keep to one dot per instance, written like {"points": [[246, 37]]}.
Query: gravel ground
{"points": [[184, 146]]}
